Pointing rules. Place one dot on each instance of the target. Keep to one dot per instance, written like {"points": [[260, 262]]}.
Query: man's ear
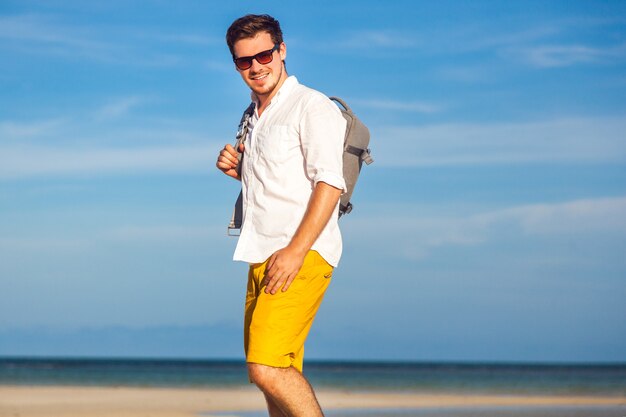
{"points": [[283, 51]]}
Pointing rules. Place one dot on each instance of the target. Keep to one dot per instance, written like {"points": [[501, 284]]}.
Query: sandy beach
{"points": [[36, 401]]}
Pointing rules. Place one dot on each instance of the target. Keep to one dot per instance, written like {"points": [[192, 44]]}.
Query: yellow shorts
{"points": [[276, 326]]}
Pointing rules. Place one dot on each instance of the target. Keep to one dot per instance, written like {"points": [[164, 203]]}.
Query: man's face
{"points": [[263, 79]]}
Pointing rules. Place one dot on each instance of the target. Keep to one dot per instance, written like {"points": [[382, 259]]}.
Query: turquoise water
{"points": [[422, 377]]}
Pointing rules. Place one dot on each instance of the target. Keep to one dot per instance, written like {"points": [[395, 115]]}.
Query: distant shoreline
{"points": [[357, 362], [355, 376]]}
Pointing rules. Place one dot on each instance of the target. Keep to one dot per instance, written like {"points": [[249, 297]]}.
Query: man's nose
{"points": [[255, 65]]}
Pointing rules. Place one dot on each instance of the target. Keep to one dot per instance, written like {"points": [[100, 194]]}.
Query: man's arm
{"points": [[284, 264]]}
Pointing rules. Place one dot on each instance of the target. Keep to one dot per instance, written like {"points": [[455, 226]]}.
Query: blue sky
{"points": [[492, 225]]}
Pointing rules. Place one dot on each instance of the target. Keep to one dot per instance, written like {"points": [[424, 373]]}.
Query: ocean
{"points": [[423, 377], [409, 377]]}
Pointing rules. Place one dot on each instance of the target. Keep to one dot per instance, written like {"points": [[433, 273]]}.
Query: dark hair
{"points": [[249, 26]]}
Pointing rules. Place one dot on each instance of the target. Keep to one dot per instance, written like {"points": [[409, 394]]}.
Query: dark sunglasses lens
{"points": [[265, 57], [243, 63]]}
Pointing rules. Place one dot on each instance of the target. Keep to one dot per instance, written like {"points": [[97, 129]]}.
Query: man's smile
{"points": [[259, 76]]}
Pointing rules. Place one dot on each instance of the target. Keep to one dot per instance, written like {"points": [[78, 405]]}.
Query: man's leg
{"points": [[275, 330], [272, 408], [286, 390]]}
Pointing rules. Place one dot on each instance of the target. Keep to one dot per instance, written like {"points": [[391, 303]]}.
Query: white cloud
{"points": [[10, 130], [38, 34], [407, 106], [545, 45], [582, 140], [105, 123], [190, 39], [28, 161], [69, 147], [482, 40], [573, 217], [87, 142], [417, 231], [549, 56], [367, 39], [43, 34], [540, 47], [119, 107]]}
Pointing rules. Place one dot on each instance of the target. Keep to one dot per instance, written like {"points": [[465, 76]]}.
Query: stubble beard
{"points": [[267, 90]]}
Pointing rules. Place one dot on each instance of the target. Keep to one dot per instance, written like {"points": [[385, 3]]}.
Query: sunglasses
{"points": [[264, 57]]}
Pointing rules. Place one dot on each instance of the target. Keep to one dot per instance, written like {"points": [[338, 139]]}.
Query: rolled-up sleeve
{"points": [[322, 131]]}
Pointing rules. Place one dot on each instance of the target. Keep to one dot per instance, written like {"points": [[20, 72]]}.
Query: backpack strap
{"points": [[343, 103], [364, 154], [242, 133]]}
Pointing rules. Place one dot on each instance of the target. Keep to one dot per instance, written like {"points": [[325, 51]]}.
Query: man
{"points": [[292, 179]]}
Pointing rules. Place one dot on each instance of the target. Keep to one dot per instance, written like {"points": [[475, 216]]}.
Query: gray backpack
{"points": [[355, 152]]}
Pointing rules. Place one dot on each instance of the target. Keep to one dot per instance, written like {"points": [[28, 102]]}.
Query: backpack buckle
{"points": [[367, 157]]}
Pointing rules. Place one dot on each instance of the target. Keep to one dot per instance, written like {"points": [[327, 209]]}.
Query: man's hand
{"points": [[282, 267], [284, 264], [228, 160]]}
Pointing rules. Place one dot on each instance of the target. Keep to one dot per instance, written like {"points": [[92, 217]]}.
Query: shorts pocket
{"points": [[316, 271]]}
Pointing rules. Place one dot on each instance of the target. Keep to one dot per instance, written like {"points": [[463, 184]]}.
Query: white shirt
{"points": [[295, 143]]}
